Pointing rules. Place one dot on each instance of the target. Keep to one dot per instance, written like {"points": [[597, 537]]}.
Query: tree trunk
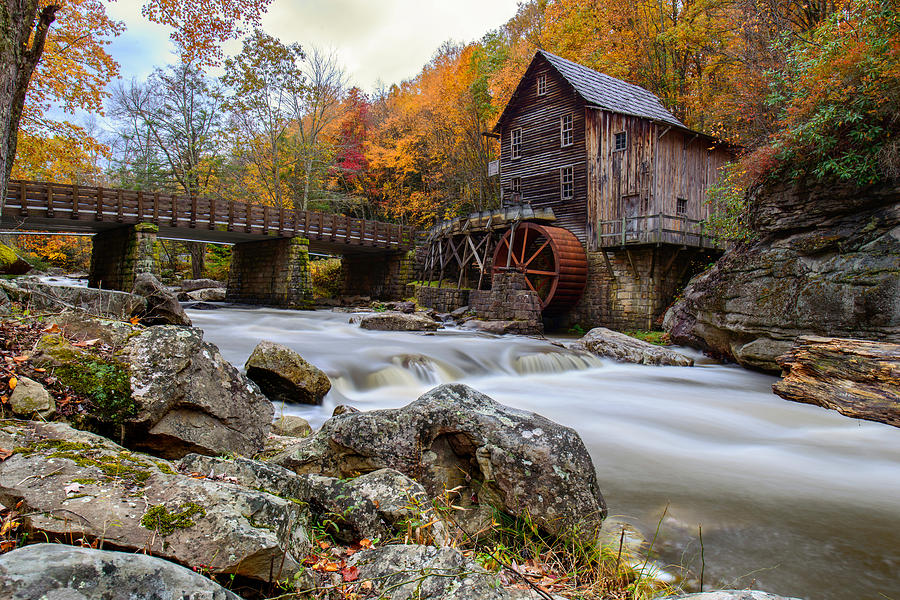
{"points": [[19, 19], [307, 177], [198, 258]]}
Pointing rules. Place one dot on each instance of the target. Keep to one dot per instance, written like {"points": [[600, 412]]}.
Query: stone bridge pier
{"points": [[382, 276], [272, 272], [118, 255]]}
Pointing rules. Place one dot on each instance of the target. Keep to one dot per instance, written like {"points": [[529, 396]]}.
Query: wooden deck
{"points": [[657, 229], [33, 205]]}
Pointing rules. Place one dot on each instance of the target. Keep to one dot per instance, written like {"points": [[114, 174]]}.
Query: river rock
{"points": [[30, 398], [42, 296], [517, 461], [857, 378], [826, 261], [732, 595], [190, 285], [10, 263], [283, 375], [397, 321], [291, 426], [506, 327], [207, 295], [80, 486], [80, 327], [189, 398], [408, 572], [162, 305], [624, 348], [60, 572]]}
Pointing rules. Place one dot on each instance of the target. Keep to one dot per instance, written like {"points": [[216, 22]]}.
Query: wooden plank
{"points": [[231, 215], [75, 194], [265, 224], [50, 201], [140, 206], [212, 213], [248, 215], [23, 199], [120, 206]]}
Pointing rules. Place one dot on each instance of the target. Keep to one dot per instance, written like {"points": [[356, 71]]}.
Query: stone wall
{"points": [[509, 299], [637, 292], [272, 272], [443, 300], [119, 254], [379, 276]]}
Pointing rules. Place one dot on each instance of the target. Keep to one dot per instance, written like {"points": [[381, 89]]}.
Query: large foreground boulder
{"points": [[857, 378], [70, 573], [397, 321], [190, 399], [618, 346], [826, 261], [10, 263], [75, 485], [162, 305], [283, 376], [454, 437]]}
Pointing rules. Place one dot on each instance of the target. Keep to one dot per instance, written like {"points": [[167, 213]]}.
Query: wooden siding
{"points": [[542, 156], [659, 165]]}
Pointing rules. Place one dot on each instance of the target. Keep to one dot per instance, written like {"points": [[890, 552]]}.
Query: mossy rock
{"points": [[10, 263]]}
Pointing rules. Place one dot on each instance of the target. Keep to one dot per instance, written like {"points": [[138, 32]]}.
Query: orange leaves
{"points": [[13, 382]]}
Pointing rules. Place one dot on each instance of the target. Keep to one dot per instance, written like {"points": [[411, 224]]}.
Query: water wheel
{"points": [[552, 259]]}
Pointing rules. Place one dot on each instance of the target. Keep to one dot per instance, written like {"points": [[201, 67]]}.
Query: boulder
{"points": [[408, 572], [732, 595], [455, 437], [857, 378], [190, 399], [10, 263], [162, 305], [825, 261], [460, 312], [30, 398], [81, 327], [404, 306], [291, 426], [57, 571], [190, 285], [207, 295], [283, 375], [506, 327], [624, 348], [57, 298], [78, 486], [397, 321]]}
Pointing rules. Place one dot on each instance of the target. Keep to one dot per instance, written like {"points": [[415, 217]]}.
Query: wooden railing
{"points": [[657, 229], [39, 200]]}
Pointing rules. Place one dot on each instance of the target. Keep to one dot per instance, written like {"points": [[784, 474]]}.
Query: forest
{"points": [[809, 88]]}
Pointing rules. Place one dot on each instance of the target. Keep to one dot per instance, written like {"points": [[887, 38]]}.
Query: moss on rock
{"points": [[159, 519]]}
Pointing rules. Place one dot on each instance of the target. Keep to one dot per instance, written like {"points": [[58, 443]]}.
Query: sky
{"points": [[377, 41]]}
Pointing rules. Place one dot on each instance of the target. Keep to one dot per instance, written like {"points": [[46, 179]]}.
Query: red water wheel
{"points": [[552, 259]]}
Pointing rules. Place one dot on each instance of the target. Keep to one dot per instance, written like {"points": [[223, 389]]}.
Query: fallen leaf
{"points": [[8, 526], [367, 586], [332, 567], [7, 545], [72, 488], [4, 454], [54, 328], [365, 543], [40, 370], [134, 320], [21, 358], [86, 343], [13, 382], [324, 545], [350, 573]]}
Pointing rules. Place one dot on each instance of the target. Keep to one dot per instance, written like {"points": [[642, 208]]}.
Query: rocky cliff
{"points": [[826, 261]]}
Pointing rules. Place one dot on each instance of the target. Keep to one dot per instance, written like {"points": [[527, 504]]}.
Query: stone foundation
{"points": [[443, 300], [380, 276], [509, 299], [118, 255], [272, 272], [637, 292]]}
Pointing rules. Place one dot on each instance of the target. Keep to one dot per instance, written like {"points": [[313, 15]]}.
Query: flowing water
{"points": [[793, 499]]}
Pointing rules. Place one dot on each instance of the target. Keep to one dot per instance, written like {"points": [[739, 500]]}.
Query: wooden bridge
{"points": [[32, 205]]}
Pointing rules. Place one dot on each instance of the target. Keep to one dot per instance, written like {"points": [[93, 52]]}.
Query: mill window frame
{"points": [[681, 206], [567, 183], [566, 130], [515, 143], [620, 141], [541, 85]]}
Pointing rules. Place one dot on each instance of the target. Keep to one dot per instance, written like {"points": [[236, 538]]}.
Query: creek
{"points": [[792, 499]]}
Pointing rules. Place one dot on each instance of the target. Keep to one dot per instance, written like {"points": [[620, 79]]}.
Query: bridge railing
{"points": [[40, 200], [657, 229]]}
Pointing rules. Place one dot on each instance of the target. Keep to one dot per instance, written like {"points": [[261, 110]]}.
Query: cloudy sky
{"points": [[375, 40]]}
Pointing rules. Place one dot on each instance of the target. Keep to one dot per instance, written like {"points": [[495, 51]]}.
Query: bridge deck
{"points": [[61, 207]]}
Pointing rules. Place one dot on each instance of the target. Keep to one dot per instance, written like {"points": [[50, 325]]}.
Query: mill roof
{"points": [[606, 92]]}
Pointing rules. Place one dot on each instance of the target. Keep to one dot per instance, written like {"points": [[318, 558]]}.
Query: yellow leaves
{"points": [[13, 382]]}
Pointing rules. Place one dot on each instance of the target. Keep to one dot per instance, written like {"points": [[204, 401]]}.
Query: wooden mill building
{"points": [[617, 171]]}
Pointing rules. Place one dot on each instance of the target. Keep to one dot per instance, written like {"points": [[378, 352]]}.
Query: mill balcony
{"points": [[658, 229]]}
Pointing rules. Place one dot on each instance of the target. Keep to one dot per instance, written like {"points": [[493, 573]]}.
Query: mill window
{"points": [[541, 85], [681, 206], [515, 143], [565, 130], [516, 188], [621, 141], [567, 183]]}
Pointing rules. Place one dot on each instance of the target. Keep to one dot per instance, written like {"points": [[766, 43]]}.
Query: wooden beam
{"points": [[608, 265], [631, 262]]}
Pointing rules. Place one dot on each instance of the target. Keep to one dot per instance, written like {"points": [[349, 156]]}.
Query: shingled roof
{"points": [[606, 92]]}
